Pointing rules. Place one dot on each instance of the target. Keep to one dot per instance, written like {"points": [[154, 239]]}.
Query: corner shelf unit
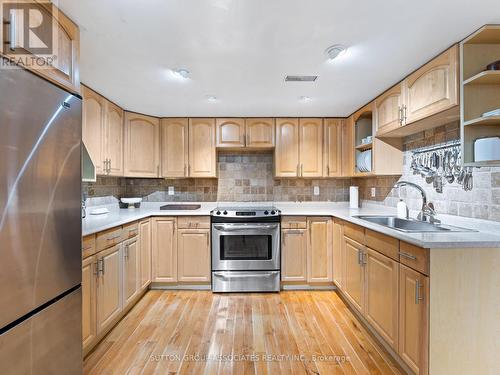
{"points": [[363, 128], [480, 91]]}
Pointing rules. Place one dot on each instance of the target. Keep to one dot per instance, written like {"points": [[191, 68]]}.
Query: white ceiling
{"points": [[240, 51]]}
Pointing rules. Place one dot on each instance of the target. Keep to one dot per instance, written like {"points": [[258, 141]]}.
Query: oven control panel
{"points": [[246, 212]]}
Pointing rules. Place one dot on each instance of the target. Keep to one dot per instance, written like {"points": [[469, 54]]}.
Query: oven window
{"points": [[246, 247]]}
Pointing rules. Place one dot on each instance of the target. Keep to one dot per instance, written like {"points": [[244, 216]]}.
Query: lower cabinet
{"points": [[131, 270], [319, 250], [354, 275], [294, 255], [109, 287], [145, 252], [338, 253], [164, 249], [88, 301], [413, 319], [193, 255]]}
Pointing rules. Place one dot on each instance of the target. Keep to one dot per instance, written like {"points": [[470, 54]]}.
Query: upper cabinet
{"points": [[93, 134], [142, 145], [286, 156], [230, 132], [202, 153], [389, 107], [174, 147], [332, 164], [259, 132], [113, 146], [311, 147], [60, 38]]}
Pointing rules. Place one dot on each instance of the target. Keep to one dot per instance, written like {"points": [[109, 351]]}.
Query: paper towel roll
{"points": [[353, 197]]}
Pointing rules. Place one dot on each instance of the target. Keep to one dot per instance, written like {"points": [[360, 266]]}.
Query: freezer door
{"points": [[40, 178], [49, 342]]}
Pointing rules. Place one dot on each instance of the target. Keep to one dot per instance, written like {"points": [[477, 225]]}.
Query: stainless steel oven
{"points": [[245, 249]]}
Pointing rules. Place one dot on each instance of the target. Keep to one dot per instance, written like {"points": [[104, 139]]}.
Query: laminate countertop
{"points": [[487, 237]]}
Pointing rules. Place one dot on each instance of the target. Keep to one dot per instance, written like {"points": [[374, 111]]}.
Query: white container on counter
{"points": [[353, 197]]}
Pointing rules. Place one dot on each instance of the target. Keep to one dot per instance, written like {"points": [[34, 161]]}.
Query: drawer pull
{"points": [[407, 256], [113, 238]]}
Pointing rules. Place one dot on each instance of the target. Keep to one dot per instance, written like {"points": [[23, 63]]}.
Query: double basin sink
{"points": [[411, 225]]}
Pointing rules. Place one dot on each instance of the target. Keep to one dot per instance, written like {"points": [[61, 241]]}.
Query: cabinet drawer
{"points": [[130, 230], [414, 257], [294, 222], [386, 245], [193, 222], [109, 238], [354, 232], [88, 246]]}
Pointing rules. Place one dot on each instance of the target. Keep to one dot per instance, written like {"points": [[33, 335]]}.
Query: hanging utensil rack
{"points": [[440, 146]]}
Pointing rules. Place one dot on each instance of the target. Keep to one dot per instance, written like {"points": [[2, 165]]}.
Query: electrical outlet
{"points": [[171, 190], [316, 190], [374, 192]]}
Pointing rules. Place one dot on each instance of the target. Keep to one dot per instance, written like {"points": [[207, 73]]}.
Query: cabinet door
{"points": [[230, 132], [414, 319], [145, 249], [338, 256], [319, 250], [113, 124], [131, 270], [259, 132], [332, 165], [142, 150], [93, 134], [164, 248], [432, 88], [62, 39], [388, 110], [202, 153], [354, 273], [88, 301], [311, 147], [109, 287], [294, 255], [381, 308], [348, 147], [286, 159], [174, 147], [194, 255]]}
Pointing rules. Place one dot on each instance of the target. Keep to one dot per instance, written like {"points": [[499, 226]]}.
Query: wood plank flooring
{"points": [[197, 332]]}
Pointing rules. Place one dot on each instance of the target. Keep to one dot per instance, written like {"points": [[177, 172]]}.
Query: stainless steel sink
{"points": [[411, 225]]}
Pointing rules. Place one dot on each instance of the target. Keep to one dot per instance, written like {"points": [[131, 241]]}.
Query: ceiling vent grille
{"points": [[290, 78]]}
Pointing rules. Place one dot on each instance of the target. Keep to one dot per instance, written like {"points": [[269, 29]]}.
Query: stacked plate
{"points": [[364, 161]]}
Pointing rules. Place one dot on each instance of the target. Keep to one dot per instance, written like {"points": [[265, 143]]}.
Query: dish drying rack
{"points": [[442, 164]]}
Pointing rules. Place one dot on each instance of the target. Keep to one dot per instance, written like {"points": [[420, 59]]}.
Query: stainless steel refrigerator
{"points": [[40, 227]]}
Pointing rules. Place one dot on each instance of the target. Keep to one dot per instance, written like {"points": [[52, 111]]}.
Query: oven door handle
{"points": [[231, 227], [244, 276]]}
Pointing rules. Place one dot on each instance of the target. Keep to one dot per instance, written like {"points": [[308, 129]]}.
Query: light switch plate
{"points": [[171, 190], [316, 190], [374, 192]]}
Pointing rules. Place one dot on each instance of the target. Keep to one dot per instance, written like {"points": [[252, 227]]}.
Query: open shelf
{"points": [[492, 120], [364, 147], [488, 77]]}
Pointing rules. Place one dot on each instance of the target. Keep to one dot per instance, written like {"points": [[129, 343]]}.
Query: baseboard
{"points": [[308, 287], [160, 286]]}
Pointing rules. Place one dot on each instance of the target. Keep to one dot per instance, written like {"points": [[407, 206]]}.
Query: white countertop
{"points": [[488, 237]]}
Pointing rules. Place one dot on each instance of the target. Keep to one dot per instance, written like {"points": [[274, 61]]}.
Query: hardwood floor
{"points": [[196, 332]]}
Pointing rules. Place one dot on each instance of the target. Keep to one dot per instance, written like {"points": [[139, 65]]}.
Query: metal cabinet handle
{"points": [[185, 170], [95, 267], [400, 115], [328, 170], [360, 253], [126, 251], [418, 298], [113, 238], [407, 256], [109, 170], [158, 170], [405, 113]]}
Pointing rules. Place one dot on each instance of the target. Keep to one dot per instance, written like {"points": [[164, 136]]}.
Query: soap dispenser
{"points": [[402, 208]]}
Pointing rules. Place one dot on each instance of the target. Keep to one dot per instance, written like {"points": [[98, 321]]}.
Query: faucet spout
{"points": [[424, 213]]}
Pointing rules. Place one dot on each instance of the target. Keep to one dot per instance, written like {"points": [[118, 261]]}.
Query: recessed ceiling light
{"points": [[335, 51], [211, 98], [305, 99], [181, 73]]}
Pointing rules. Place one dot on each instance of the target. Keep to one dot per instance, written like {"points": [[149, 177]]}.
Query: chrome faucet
{"points": [[427, 213]]}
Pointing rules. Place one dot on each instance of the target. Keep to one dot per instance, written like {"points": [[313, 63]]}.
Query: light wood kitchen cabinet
{"points": [[109, 287], [319, 250], [113, 145], [348, 162], [311, 147], [433, 88], [381, 286], [174, 147], [413, 319], [286, 156], [294, 255], [388, 110], [64, 36], [145, 252], [164, 249], [93, 132], [230, 132], [259, 133], [354, 275], [131, 270], [202, 152], [332, 163], [193, 255], [142, 145], [88, 301], [338, 253]]}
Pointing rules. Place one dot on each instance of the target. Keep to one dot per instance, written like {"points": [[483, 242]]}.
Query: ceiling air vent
{"points": [[300, 78]]}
